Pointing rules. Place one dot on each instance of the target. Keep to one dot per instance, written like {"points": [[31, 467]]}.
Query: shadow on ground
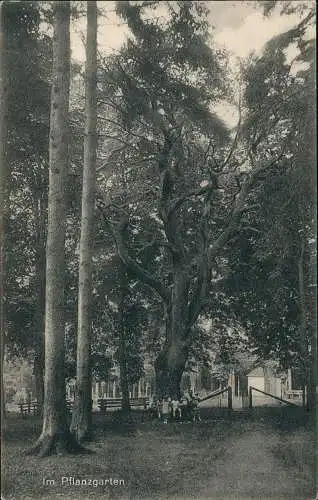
{"points": [[265, 454]]}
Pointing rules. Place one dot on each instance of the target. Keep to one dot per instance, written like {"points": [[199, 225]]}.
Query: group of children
{"points": [[186, 408]]}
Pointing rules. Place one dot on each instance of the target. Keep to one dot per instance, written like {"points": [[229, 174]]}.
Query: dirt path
{"points": [[250, 470]]}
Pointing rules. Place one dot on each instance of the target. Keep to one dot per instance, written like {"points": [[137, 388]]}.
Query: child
{"points": [[175, 409], [165, 410], [195, 408], [158, 408]]}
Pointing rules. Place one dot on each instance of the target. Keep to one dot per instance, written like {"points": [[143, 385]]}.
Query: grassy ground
{"points": [[267, 455]]}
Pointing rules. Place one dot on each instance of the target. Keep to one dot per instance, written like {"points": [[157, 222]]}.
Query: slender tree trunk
{"points": [[38, 372], [55, 436], [122, 349], [81, 421], [308, 330], [39, 354], [39, 293], [312, 394], [313, 386], [303, 325], [124, 385], [3, 193]]}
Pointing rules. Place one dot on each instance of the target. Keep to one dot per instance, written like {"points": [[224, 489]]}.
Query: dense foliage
{"points": [[170, 177], [272, 272]]}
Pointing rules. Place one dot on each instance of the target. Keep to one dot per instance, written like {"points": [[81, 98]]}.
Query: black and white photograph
{"points": [[158, 249]]}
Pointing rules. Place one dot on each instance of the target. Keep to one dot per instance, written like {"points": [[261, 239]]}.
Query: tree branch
{"points": [[135, 268], [203, 261], [197, 192], [239, 206], [156, 243], [142, 274], [127, 132]]}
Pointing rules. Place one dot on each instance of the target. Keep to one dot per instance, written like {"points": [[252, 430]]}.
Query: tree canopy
{"points": [[212, 226]]}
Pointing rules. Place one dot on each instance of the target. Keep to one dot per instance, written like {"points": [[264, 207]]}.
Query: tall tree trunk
{"points": [[124, 384], [38, 372], [312, 393], [39, 293], [3, 194], [313, 386], [303, 325], [122, 348], [171, 362], [307, 338], [169, 368], [39, 354], [55, 436], [308, 327], [39, 327], [81, 420]]}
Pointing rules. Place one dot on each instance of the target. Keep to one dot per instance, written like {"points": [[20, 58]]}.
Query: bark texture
{"points": [[185, 296], [308, 337], [81, 419], [124, 384], [55, 436], [189, 272], [3, 177], [39, 293]]}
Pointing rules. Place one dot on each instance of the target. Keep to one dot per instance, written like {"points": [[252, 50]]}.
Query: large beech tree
{"points": [[164, 85]]}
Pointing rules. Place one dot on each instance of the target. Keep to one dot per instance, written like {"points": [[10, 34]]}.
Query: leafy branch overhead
{"points": [[205, 225], [190, 182]]}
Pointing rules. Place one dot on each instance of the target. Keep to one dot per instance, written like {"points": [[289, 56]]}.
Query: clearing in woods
{"points": [[267, 455]]}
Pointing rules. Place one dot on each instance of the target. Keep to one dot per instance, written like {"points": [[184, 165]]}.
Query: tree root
{"points": [[81, 428], [58, 444], [82, 436]]}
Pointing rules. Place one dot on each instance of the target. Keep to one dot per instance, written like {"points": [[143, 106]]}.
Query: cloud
{"points": [[227, 112], [254, 32]]}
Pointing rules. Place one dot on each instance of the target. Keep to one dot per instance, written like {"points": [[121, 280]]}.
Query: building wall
{"points": [[257, 382], [277, 387]]}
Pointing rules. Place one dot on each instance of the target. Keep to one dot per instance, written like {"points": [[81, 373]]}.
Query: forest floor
{"points": [[269, 454]]}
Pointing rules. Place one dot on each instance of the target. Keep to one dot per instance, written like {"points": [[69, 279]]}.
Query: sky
{"points": [[239, 26]]}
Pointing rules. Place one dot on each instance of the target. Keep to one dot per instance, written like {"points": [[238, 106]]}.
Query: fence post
{"points": [[229, 397], [250, 398]]}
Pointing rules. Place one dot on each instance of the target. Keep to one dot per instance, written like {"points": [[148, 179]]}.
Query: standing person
{"points": [[158, 407], [165, 410], [194, 407], [153, 408], [170, 408], [147, 409], [175, 409], [183, 405], [188, 407]]}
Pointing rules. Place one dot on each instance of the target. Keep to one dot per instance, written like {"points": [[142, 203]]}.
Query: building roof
{"points": [[256, 372]]}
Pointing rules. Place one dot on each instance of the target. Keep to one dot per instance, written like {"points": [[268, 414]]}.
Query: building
{"points": [[265, 379], [268, 379], [144, 388]]}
